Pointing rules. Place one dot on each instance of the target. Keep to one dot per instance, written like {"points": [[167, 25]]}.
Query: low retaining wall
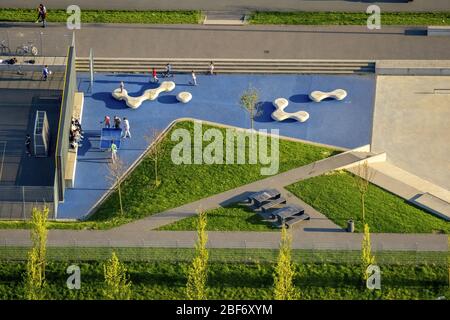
{"points": [[413, 67]]}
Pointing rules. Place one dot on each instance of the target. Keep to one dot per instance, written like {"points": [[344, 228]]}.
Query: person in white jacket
{"points": [[126, 128]]}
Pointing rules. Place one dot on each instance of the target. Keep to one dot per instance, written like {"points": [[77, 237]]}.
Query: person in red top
{"points": [[154, 75], [107, 122]]}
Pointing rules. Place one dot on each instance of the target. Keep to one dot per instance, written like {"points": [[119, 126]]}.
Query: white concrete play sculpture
{"points": [[279, 114], [338, 94], [149, 94], [184, 97]]}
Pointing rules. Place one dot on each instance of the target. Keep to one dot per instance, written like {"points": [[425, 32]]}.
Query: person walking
{"points": [[194, 78], [28, 144], [154, 76], [106, 122], [45, 73], [117, 122], [211, 68], [42, 15], [113, 151], [168, 72], [126, 128]]}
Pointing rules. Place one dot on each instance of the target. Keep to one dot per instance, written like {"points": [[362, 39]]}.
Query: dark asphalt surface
{"points": [[258, 42]]}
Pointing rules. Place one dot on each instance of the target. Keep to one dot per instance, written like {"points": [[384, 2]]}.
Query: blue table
{"points": [[108, 135]]}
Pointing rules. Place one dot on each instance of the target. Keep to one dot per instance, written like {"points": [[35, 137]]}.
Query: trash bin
{"points": [[350, 226]]}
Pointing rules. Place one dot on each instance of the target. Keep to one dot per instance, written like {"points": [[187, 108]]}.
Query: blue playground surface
{"points": [[346, 123]]}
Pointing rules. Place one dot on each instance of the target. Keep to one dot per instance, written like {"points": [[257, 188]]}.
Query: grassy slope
{"points": [[346, 18], [105, 16], [233, 218], [183, 184], [336, 196], [166, 280]]}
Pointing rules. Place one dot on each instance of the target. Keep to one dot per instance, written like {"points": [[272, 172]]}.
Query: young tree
{"points": [[366, 251], [35, 268], [197, 273], [116, 170], [362, 182], [249, 100], [156, 150], [117, 284], [284, 288]]}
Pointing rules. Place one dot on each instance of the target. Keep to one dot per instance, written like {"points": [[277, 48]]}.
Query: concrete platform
{"points": [[411, 124]]}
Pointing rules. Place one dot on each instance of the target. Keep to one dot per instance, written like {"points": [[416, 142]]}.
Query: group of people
{"points": [[76, 134], [117, 124], [168, 73]]}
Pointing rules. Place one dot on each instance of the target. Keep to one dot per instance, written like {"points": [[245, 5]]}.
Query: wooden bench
{"points": [[71, 163], [438, 31], [272, 204]]}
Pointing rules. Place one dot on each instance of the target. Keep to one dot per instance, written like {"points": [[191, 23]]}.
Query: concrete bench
{"points": [[438, 31], [272, 204], [290, 222]]}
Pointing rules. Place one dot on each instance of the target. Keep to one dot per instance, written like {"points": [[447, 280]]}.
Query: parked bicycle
{"points": [[27, 49], [4, 49]]}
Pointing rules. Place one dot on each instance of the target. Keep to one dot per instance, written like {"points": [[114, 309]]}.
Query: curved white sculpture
{"points": [[279, 114], [338, 94], [149, 94], [184, 97]]}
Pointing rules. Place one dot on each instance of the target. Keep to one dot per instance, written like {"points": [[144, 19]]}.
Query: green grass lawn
{"points": [[232, 218], [167, 280], [106, 16], [182, 184], [336, 196], [350, 18]]}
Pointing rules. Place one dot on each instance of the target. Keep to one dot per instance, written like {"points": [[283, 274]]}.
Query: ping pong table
{"points": [[108, 135]]}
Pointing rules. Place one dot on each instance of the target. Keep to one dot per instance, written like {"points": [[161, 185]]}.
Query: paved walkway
{"points": [[327, 236], [252, 42], [242, 5]]}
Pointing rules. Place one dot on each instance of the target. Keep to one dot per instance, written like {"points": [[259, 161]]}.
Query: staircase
{"points": [[261, 66]]}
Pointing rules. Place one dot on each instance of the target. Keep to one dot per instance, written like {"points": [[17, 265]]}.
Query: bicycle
{"points": [[4, 49], [27, 49]]}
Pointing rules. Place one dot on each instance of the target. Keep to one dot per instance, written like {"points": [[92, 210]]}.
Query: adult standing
{"points": [[28, 144], [155, 76], [45, 73], [113, 151], [168, 72], [211, 68], [126, 128], [194, 78], [117, 122], [106, 122], [121, 86]]}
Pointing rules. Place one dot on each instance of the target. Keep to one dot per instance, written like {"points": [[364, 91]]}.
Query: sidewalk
{"points": [[250, 42], [240, 5]]}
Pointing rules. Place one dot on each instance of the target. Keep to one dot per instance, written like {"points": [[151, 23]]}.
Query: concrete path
{"points": [[241, 5], [251, 42], [269, 240]]}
